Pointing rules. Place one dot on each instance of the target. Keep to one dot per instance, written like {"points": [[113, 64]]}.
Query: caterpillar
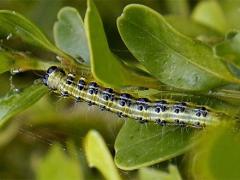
{"points": [[162, 112]]}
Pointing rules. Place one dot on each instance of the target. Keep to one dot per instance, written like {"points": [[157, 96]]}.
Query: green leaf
{"points": [[69, 34], [106, 67], [231, 12], [173, 58], [57, 165], [230, 48], [13, 23], [193, 29], [211, 14], [217, 156], [139, 145], [179, 7], [17, 102], [152, 174], [99, 156], [21, 62]]}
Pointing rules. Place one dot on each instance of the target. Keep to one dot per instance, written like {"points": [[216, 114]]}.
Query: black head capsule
{"points": [[52, 69], [201, 111], [161, 106], [180, 107], [70, 78], [142, 103], [125, 99], [92, 88], [108, 94], [81, 84]]}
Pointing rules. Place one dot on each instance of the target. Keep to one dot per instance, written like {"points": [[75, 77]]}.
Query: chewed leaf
{"points": [[15, 24], [16, 102], [139, 145], [105, 66], [69, 34], [99, 156], [173, 58], [10, 61]]}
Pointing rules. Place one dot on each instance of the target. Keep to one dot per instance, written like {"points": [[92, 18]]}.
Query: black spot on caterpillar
{"points": [[162, 112]]}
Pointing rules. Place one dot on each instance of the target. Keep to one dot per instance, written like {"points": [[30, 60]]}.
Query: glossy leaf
{"points": [[138, 145], [57, 165], [173, 58], [217, 157], [193, 29], [69, 34], [99, 156], [153, 174], [17, 102], [106, 67], [211, 14]]}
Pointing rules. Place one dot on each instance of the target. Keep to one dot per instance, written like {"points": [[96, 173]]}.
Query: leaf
{"points": [[106, 67], [139, 145], [152, 174], [99, 156], [69, 34], [17, 102], [230, 48], [231, 12], [21, 62], [173, 58], [193, 29], [210, 14], [13, 23], [179, 7], [56, 165], [217, 156]]}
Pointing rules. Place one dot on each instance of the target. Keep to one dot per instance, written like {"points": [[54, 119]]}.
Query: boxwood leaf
{"points": [[69, 34], [14, 103], [230, 48], [57, 165], [99, 156], [139, 145], [173, 58], [195, 30], [21, 62], [106, 67], [211, 14], [13, 23], [151, 174], [217, 156]]}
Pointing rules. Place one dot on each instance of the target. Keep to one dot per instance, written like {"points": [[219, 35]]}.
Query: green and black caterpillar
{"points": [[162, 112]]}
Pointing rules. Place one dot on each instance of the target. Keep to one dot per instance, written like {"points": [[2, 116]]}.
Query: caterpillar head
{"points": [[53, 76], [48, 73]]}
